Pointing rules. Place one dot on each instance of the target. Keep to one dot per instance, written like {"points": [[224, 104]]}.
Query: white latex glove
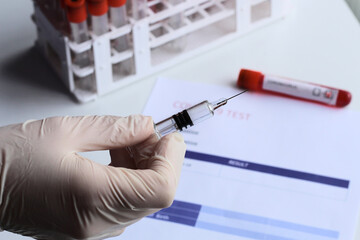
{"points": [[48, 191]]}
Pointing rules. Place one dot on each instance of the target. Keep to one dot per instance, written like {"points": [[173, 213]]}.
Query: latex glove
{"points": [[48, 191]]}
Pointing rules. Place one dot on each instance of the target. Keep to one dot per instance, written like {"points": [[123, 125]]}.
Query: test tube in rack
{"points": [[119, 19], [99, 19], [118, 13], [77, 15]]}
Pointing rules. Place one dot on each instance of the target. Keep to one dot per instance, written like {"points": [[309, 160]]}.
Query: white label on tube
{"points": [[300, 89]]}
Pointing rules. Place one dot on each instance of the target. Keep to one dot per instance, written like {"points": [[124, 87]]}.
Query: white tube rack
{"points": [[207, 24]]}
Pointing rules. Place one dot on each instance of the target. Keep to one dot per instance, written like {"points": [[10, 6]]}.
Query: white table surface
{"points": [[319, 41]]}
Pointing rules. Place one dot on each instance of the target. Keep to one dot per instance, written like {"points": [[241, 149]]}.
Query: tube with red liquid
{"points": [[257, 81]]}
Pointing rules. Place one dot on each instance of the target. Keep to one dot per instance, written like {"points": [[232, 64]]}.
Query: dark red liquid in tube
{"points": [[257, 81]]}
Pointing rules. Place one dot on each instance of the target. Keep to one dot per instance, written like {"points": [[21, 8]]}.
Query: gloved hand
{"points": [[48, 191]]}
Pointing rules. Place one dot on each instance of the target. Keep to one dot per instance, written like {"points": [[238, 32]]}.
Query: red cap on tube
{"points": [[116, 3], [343, 99], [251, 80], [76, 10], [98, 7]]}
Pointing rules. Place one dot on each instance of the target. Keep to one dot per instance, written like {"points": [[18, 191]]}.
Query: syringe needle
{"points": [[223, 101], [236, 95]]}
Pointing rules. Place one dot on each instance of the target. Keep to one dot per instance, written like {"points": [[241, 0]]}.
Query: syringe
{"points": [[190, 116]]}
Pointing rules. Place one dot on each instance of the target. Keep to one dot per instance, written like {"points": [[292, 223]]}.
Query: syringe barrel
{"points": [[165, 127], [200, 112], [184, 119]]}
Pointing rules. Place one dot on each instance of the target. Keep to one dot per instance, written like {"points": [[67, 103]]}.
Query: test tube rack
{"points": [[207, 24]]}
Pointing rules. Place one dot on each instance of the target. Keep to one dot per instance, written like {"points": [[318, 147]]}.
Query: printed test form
{"points": [[264, 167]]}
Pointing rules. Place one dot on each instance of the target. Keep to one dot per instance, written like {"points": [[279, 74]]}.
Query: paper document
{"points": [[264, 167]]}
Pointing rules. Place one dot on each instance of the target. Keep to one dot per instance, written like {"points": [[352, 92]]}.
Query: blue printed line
{"points": [[268, 169], [186, 205], [179, 212], [182, 212], [175, 219]]}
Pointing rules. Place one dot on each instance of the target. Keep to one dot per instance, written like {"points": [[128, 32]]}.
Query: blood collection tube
{"points": [[257, 81], [76, 13], [118, 13], [99, 19], [118, 19]]}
